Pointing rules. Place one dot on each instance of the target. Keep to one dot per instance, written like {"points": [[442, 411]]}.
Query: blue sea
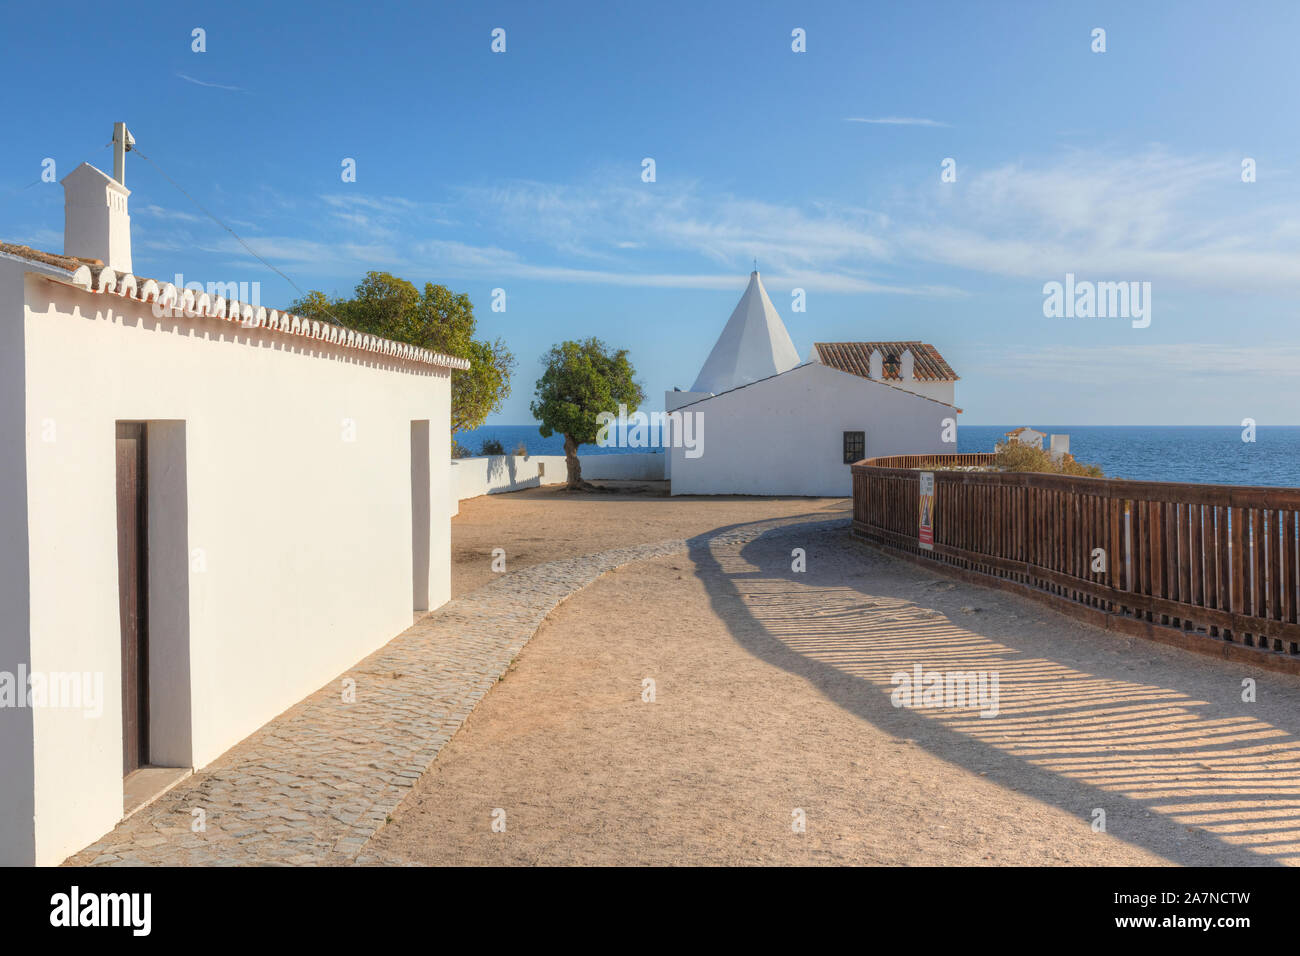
{"points": [[1212, 454], [1207, 454]]}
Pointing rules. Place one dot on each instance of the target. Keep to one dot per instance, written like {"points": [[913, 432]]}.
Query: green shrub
{"points": [[492, 447], [1013, 456], [459, 451]]}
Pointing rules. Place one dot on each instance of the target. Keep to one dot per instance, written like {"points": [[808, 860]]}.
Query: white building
{"points": [[1029, 436], [774, 426], [207, 511]]}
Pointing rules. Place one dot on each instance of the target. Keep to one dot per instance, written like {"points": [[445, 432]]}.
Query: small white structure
{"points": [[96, 222], [769, 425], [1060, 446], [207, 511], [1028, 436]]}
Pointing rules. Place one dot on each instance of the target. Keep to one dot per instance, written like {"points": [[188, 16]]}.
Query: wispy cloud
{"points": [[154, 211], [48, 240], [1183, 221], [1112, 365], [215, 86], [622, 229], [383, 217], [1151, 216], [306, 258], [894, 121]]}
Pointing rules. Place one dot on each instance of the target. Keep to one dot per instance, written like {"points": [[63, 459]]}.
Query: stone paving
{"points": [[313, 785]]}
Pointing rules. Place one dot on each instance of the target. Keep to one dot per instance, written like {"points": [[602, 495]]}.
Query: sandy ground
{"points": [[772, 703], [545, 524]]}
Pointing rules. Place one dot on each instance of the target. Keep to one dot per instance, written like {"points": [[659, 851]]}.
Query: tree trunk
{"points": [[572, 464]]}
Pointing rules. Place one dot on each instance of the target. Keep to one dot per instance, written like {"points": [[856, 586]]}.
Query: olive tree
{"points": [[581, 380]]}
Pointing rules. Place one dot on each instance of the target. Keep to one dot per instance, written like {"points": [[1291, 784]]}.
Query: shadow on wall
{"points": [[505, 468], [1156, 755]]}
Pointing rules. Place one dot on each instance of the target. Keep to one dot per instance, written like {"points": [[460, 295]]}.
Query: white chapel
{"points": [[775, 425]]}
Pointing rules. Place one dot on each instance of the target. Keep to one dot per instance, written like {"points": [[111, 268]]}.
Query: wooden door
{"points": [[132, 581]]}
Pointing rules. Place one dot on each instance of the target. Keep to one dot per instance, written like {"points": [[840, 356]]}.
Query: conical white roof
{"points": [[753, 345]]}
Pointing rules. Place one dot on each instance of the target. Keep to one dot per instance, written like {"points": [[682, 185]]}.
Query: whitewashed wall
{"points": [[300, 540], [493, 474], [629, 467], [785, 435], [17, 782], [672, 401], [490, 474], [939, 391]]}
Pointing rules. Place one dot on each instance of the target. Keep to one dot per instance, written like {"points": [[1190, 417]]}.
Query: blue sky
{"points": [[522, 171]]}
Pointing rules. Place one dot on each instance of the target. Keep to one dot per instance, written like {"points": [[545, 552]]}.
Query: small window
{"points": [[855, 447]]}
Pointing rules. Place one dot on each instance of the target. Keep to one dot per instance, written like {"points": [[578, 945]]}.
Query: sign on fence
{"points": [[925, 536]]}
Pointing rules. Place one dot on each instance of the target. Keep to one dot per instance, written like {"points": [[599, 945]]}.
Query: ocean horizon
{"points": [[1204, 454]]}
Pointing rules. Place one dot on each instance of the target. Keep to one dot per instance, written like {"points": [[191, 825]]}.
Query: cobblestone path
{"points": [[313, 785]]}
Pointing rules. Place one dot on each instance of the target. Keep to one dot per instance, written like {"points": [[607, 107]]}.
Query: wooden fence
{"points": [[1209, 567]]}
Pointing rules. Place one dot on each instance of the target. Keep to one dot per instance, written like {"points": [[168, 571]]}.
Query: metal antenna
{"points": [[122, 142]]}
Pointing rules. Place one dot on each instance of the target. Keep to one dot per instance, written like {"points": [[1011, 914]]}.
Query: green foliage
{"points": [[1013, 456], [436, 319], [460, 451], [582, 379], [492, 447]]}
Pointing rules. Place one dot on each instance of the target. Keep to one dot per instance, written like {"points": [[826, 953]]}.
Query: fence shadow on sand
{"points": [[1158, 738]]}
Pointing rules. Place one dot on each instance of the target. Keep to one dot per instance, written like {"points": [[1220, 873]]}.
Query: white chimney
{"points": [[96, 224], [907, 366], [876, 366]]}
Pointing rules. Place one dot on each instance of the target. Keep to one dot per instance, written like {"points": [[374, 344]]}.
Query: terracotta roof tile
{"points": [[46, 258], [855, 357]]}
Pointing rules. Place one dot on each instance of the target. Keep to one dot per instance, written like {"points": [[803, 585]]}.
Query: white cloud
{"points": [[44, 239], [1181, 222], [153, 211], [1125, 365], [831, 247], [894, 121], [215, 86], [1150, 216]]}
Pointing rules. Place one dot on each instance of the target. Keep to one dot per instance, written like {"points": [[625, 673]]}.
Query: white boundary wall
{"points": [[493, 474]]}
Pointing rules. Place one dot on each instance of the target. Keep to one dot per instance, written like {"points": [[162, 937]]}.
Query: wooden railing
{"points": [[932, 461], [1208, 567]]}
